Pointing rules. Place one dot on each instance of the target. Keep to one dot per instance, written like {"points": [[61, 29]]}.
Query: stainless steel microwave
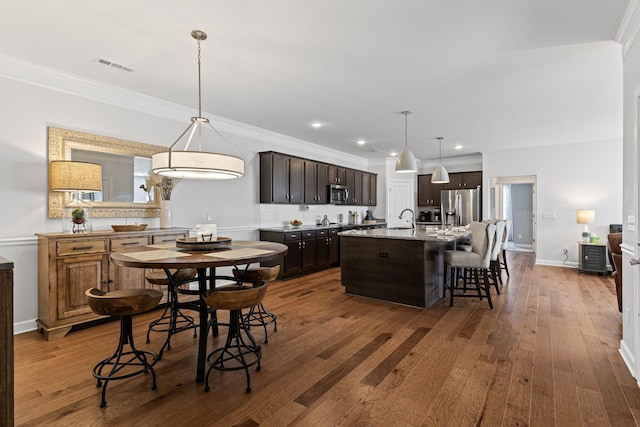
{"points": [[338, 194]]}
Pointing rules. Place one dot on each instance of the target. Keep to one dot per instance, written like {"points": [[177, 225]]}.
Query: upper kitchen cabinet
{"points": [[337, 175], [463, 180], [315, 182], [354, 184], [428, 193], [369, 189], [281, 178]]}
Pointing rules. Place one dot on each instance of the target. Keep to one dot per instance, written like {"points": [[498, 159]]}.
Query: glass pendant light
{"points": [[440, 174], [406, 162], [224, 163]]}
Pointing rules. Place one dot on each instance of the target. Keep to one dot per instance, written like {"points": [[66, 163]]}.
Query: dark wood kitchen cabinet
{"points": [[308, 250], [428, 193], [281, 178], [337, 175], [354, 184], [463, 180], [369, 189], [315, 182]]}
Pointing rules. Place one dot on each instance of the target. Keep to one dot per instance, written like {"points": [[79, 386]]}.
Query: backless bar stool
{"points": [[258, 315], [172, 319], [240, 350], [124, 363]]}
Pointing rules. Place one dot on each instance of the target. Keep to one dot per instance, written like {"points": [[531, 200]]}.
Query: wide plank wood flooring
{"points": [[547, 355]]}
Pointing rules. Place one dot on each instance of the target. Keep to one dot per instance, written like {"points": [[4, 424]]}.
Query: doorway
{"points": [[400, 197], [514, 198]]}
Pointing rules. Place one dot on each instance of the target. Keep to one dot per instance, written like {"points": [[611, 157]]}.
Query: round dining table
{"points": [[239, 254]]}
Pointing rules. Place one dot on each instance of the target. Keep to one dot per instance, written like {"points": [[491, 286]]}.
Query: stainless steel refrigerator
{"points": [[460, 207]]}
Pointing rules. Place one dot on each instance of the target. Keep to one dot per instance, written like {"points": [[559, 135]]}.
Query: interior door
{"points": [[401, 196]]}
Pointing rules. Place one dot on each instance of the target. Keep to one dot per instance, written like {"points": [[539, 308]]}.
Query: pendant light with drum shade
{"points": [[406, 162], [440, 174], [224, 163]]}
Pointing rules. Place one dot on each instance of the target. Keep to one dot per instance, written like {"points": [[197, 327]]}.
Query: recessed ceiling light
{"points": [[458, 147], [361, 142], [316, 124], [393, 154]]}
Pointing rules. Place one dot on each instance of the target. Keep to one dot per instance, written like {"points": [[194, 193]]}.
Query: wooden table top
{"points": [[168, 256]]}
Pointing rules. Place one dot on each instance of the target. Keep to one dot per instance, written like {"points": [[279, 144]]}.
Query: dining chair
{"points": [[258, 315], [477, 261], [494, 265], [127, 361], [505, 242]]}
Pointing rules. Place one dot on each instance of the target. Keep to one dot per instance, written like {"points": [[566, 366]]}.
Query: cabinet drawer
{"points": [[82, 247], [292, 236], [308, 234], [166, 238], [322, 233], [128, 242]]}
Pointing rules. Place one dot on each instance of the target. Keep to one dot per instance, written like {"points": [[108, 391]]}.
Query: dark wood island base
{"points": [[387, 265]]}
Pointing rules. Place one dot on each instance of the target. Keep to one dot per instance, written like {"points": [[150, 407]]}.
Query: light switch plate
{"points": [[631, 223], [548, 215]]}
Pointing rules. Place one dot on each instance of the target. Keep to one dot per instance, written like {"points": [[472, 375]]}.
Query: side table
{"points": [[592, 257]]}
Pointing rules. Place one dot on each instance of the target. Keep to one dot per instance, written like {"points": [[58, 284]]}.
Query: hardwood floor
{"points": [[546, 355]]}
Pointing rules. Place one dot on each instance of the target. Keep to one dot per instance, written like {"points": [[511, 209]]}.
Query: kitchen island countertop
{"points": [[425, 234]]}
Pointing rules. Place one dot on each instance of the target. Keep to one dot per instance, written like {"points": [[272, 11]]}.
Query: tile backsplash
{"points": [[273, 215]]}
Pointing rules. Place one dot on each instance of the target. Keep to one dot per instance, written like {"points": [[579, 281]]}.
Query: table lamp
{"points": [[586, 217], [75, 178]]}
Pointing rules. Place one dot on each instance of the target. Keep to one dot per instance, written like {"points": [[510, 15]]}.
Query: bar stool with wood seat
{"points": [[172, 320], [240, 350], [478, 260], [125, 362], [258, 315]]}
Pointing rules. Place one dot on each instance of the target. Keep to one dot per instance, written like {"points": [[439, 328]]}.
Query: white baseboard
{"points": [[25, 326], [554, 263], [627, 357]]}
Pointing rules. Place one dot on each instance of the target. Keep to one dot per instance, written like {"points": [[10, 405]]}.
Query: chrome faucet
{"points": [[413, 216]]}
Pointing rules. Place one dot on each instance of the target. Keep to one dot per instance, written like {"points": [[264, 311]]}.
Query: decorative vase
{"points": [[165, 214]]}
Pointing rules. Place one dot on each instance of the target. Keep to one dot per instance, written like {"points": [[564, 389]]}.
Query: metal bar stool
{"points": [[258, 315], [172, 320], [240, 350], [124, 363]]}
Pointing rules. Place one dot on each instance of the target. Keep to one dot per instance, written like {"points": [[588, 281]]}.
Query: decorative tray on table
{"points": [[137, 227], [193, 244]]}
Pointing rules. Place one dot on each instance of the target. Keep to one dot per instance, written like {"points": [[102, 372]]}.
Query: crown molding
{"points": [[629, 27], [30, 73]]}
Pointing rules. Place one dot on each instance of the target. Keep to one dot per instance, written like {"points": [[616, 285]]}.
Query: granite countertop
{"points": [[283, 228], [427, 234]]}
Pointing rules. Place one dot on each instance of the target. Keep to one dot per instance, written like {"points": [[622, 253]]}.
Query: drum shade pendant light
{"points": [[222, 163], [440, 174], [406, 162]]}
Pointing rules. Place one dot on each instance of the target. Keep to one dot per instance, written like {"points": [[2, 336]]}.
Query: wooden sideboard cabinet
{"points": [[7, 388], [69, 264]]}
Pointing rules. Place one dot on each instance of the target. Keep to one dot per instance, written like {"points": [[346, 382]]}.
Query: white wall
{"points": [[569, 177]]}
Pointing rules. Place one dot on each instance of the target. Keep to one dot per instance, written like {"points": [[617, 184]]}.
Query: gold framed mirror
{"points": [[131, 195]]}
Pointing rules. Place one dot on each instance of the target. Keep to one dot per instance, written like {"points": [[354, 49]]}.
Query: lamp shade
{"points": [[440, 175], [197, 165], [585, 216], [406, 163], [75, 176]]}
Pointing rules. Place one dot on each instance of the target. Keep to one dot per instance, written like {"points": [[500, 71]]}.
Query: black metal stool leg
{"points": [[121, 360]]}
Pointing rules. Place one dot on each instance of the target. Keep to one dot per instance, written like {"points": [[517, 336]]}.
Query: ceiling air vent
{"points": [[113, 64]]}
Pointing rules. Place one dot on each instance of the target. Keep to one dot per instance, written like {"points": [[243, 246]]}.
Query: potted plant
{"points": [[77, 216]]}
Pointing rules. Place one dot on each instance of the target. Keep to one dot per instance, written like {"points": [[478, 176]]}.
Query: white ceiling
{"points": [[487, 74]]}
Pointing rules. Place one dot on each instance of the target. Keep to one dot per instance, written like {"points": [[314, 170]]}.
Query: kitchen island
{"points": [[404, 266]]}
